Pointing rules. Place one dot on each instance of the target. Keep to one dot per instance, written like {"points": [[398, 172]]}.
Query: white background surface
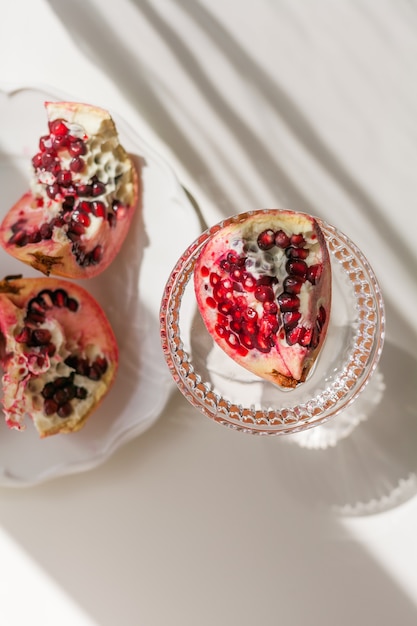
{"points": [[310, 105]]}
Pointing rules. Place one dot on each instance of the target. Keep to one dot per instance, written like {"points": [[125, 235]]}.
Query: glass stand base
{"points": [[341, 426]]}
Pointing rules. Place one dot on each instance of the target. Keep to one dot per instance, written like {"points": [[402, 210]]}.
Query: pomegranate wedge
{"points": [[83, 194], [263, 288], [58, 353]]}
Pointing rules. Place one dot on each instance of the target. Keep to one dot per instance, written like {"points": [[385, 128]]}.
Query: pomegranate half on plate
{"points": [[83, 194], [58, 353], [263, 288]]}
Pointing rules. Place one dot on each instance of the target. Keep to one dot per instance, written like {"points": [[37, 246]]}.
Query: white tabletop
{"points": [[308, 105]]}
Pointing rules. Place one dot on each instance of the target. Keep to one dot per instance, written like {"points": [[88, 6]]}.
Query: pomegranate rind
{"points": [[220, 294], [85, 332], [56, 255]]}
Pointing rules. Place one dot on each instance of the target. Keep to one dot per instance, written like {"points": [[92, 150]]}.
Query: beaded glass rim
{"points": [[360, 363]]}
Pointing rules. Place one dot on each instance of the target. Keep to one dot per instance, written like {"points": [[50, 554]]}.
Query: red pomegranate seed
{"points": [[34, 237], [50, 349], [77, 147], [81, 218], [288, 302], [237, 274], [65, 410], [291, 319], [64, 178], [58, 127], [19, 238], [214, 279], [48, 390], [85, 206], [76, 164], [59, 297], [266, 280], [59, 142], [45, 143], [314, 272], [236, 326], [295, 335], [315, 339], [24, 335], [263, 343], [98, 209], [17, 226], [97, 255], [68, 203], [57, 221], [321, 317], [250, 328], [54, 168], [48, 159], [72, 304], [296, 268], [232, 339], [220, 330], [98, 189], [268, 325], [297, 240], [293, 284], [297, 253], [84, 190], [248, 281], [81, 393], [37, 160], [306, 337], [247, 341], [270, 307], [40, 337], [232, 257], [281, 239], [264, 293], [225, 307], [250, 314], [50, 406], [225, 265], [266, 239], [222, 320]]}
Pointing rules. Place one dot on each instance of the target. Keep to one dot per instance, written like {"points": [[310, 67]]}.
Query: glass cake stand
{"points": [[229, 394]]}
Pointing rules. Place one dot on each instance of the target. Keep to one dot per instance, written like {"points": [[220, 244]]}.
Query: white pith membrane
{"points": [[284, 363], [104, 161], [28, 368]]}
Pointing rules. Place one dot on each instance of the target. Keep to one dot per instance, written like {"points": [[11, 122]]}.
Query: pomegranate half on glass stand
{"points": [[82, 198], [58, 352], [263, 288]]}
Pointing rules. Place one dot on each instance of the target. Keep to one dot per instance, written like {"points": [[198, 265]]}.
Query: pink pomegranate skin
{"points": [[82, 198], [58, 353], [263, 288]]}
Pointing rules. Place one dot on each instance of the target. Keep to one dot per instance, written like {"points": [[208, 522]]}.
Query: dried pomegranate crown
{"points": [[84, 191]]}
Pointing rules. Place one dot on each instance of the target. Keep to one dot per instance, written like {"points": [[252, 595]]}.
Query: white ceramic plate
{"points": [[130, 292]]}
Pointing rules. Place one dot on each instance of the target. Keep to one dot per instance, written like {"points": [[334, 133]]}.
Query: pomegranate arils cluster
{"points": [[60, 157], [60, 354], [83, 194], [263, 285]]}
